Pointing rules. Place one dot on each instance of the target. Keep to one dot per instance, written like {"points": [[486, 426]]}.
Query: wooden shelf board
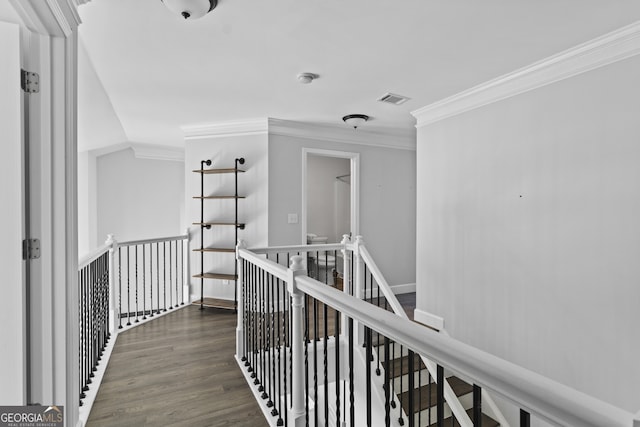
{"points": [[237, 224], [222, 276], [218, 197], [216, 303], [215, 171], [232, 250]]}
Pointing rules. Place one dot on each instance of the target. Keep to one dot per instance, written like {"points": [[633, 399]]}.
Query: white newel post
{"points": [[240, 350], [186, 288], [297, 340], [112, 282], [359, 273], [346, 263], [358, 281]]}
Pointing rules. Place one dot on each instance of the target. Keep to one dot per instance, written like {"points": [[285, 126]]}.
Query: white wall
{"points": [[528, 231], [139, 198], [387, 200], [322, 196], [253, 184], [98, 123]]}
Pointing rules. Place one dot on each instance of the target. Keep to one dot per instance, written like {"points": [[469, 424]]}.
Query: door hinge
{"points": [[31, 249], [30, 82]]}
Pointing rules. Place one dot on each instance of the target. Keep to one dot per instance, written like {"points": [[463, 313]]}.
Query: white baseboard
{"points": [[407, 288], [428, 319]]}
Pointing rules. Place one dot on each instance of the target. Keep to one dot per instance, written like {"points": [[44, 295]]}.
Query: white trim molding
{"points": [[604, 50], [216, 130], [143, 151], [342, 134], [428, 319]]}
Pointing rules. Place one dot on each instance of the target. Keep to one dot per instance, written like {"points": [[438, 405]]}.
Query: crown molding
{"points": [[386, 139], [143, 151], [158, 152], [217, 130], [604, 50]]}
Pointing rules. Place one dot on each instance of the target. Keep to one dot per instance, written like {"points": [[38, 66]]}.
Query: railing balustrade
{"points": [[122, 285], [318, 355]]}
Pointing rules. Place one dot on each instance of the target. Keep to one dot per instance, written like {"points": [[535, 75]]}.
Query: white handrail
{"points": [[93, 255], [299, 248], [548, 399], [449, 395], [154, 240], [269, 266]]}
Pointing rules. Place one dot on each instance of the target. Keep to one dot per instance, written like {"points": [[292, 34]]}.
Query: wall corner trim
{"points": [[604, 50], [234, 128], [428, 319]]}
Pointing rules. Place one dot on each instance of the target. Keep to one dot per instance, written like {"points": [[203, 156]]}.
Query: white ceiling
{"points": [[240, 61]]}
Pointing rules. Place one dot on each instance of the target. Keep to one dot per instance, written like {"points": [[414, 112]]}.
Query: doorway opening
{"points": [[330, 202]]}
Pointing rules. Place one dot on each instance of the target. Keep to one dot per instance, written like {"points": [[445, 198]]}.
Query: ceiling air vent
{"points": [[392, 98]]}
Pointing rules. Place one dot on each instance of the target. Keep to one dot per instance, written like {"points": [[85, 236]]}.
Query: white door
{"points": [[12, 323]]}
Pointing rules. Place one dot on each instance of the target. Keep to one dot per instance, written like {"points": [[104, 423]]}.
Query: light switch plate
{"points": [[292, 218]]}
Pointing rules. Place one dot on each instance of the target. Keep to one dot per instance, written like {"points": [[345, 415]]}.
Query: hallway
{"points": [[177, 370]]}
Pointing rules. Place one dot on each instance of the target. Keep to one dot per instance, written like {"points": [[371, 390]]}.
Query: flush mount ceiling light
{"points": [[355, 120], [306, 78], [190, 9]]}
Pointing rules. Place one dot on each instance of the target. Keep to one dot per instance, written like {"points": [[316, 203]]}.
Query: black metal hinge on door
{"points": [[30, 249], [30, 82]]}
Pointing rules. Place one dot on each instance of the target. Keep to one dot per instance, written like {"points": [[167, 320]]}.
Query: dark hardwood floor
{"points": [[178, 370]]}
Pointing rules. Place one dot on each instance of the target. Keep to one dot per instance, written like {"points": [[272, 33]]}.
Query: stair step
{"points": [[400, 366], [428, 394], [487, 421]]}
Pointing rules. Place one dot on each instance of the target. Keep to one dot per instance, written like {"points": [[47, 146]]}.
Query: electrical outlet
{"points": [[292, 218]]}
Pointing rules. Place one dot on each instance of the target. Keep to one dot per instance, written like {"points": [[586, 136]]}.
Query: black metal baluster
{"points": [[440, 397], [279, 395], [368, 354], [164, 274], [150, 280], [315, 360], [87, 338], [261, 332], [170, 280], [119, 288], [525, 418], [306, 357], [182, 244], [158, 274], [270, 365], [430, 378], [352, 408], [411, 386], [128, 290], [377, 343], [144, 289], [251, 314], [420, 390], [336, 338], [176, 274], [387, 385], [401, 418], [325, 352], [477, 406], [393, 375], [285, 329], [135, 248]]}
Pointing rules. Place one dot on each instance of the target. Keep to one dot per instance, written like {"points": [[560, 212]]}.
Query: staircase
{"points": [[425, 391]]}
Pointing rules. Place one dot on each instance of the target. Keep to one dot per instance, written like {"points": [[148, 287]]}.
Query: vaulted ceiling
{"points": [[240, 62]]}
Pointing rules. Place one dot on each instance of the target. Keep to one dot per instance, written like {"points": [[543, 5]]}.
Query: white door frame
{"points": [[49, 48], [355, 186]]}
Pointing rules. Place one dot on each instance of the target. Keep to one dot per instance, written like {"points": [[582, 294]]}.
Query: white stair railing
{"points": [[277, 354]]}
